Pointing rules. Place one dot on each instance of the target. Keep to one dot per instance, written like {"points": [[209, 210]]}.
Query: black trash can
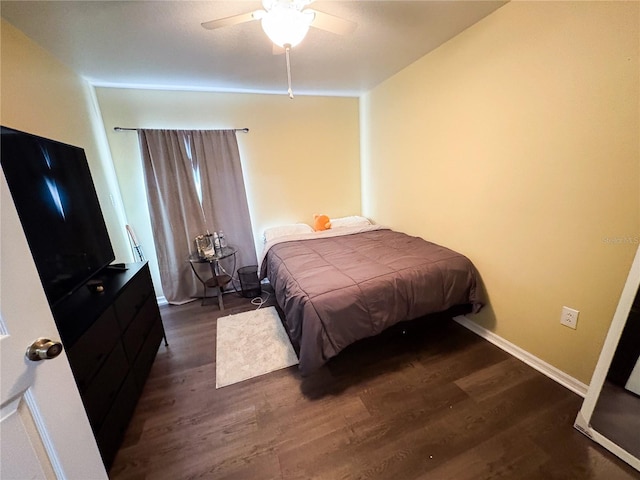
{"points": [[249, 282]]}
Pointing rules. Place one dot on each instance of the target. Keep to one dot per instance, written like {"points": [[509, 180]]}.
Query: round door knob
{"points": [[43, 349]]}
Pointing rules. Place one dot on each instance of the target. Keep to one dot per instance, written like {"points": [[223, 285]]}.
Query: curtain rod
{"points": [[123, 129]]}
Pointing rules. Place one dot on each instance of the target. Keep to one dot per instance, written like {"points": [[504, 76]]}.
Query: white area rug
{"points": [[250, 344]]}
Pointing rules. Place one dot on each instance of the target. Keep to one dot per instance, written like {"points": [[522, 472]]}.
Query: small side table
{"points": [[220, 277]]}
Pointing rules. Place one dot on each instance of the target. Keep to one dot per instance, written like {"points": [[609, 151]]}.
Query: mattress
{"points": [[343, 285]]}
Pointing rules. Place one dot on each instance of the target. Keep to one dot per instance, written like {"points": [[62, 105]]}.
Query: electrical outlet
{"points": [[569, 317]]}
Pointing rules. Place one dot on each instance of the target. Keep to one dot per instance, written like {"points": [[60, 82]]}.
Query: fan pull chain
{"points": [[286, 51]]}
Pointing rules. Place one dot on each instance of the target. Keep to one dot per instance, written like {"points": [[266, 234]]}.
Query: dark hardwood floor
{"points": [[429, 400]]}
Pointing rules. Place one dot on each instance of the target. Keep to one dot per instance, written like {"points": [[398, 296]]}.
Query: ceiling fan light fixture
{"points": [[285, 25]]}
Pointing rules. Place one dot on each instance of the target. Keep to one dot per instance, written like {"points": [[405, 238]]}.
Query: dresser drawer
{"points": [[109, 436], [88, 354], [147, 354], [131, 300], [105, 385], [138, 330]]}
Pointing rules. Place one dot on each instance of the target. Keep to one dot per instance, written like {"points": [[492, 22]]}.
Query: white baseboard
{"points": [[543, 367]]}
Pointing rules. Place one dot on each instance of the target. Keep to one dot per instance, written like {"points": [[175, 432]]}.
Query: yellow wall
{"points": [[300, 157], [39, 95], [517, 143]]}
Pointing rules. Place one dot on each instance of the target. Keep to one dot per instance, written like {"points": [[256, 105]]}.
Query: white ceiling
{"points": [[162, 44]]}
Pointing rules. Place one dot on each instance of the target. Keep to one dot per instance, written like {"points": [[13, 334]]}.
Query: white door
{"points": [[44, 431]]}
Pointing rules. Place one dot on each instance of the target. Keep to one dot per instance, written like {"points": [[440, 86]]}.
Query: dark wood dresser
{"points": [[111, 338]]}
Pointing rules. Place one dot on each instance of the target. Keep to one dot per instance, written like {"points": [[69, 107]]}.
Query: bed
{"points": [[344, 284]]}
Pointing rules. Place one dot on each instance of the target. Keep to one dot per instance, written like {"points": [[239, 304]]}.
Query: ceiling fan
{"points": [[286, 23]]}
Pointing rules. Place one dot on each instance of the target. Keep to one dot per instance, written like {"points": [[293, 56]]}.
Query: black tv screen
{"points": [[54, 195]]}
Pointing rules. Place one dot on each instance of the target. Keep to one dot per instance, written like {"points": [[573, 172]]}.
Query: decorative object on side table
{"points": [[204, 246]]}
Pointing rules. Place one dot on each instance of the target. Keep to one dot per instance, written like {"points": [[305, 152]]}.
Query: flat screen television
{"points": [[54, 195]]}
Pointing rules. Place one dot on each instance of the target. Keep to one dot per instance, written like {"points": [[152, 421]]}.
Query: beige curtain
{"points": [[181, 167]]}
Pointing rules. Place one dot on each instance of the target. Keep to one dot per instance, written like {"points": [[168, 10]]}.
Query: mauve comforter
{"points": [[337, 289]]}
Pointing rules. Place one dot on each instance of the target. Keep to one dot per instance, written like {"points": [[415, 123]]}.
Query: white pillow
{"points": [[283, 230], [352, 221]]}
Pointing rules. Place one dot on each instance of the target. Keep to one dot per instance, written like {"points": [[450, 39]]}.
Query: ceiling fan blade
{"points": [[331, 23], [233, 20]]}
